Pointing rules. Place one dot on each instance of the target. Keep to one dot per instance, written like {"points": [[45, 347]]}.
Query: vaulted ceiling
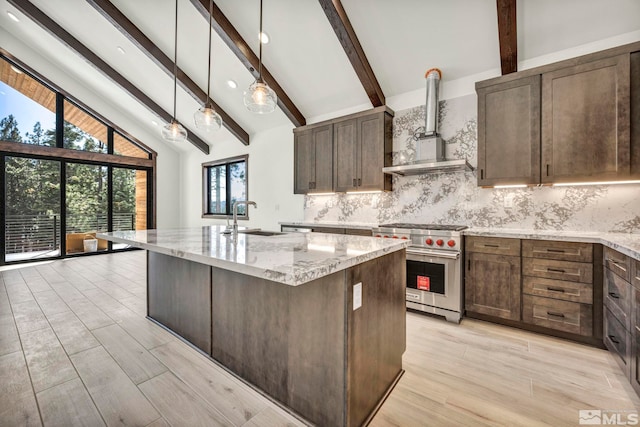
{"points": [[401, 39]]}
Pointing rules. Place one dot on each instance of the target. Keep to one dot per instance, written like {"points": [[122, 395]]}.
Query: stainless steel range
{"points": [[434, 266]]}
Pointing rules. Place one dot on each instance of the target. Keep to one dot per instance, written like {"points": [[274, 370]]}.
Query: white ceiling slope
{"points": [[401, 39]]}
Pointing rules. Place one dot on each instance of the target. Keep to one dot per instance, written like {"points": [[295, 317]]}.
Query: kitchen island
{"points": [[316, 321]]}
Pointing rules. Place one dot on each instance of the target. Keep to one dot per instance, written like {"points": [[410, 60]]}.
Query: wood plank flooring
{"points": [[76, 349]]}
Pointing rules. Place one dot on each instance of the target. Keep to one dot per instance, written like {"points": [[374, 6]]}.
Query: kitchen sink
{"points": [[261, 232]]}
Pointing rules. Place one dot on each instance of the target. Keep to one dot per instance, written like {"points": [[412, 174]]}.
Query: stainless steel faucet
{"points": [[235, 212]]}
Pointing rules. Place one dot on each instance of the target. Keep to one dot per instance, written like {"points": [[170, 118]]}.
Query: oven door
{"points": [[433, 278]]}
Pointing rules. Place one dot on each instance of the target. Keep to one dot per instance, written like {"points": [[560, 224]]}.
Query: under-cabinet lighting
{"points": [[12, 16], [567, 184], [511, 186], [321, 248], [364, 192], [321, 194], [16, 70]]}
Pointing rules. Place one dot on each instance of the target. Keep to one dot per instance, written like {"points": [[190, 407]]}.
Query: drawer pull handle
{"points": [[614, 295], [487, 245], [555, 289], [614, 339], [560, 251], [617, 264], [555, 270], [551, 313]]}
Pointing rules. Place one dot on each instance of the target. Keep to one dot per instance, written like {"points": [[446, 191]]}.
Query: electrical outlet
{"points": [[508, 201], [357, 296]]}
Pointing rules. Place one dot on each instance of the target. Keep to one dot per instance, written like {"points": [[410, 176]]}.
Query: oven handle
{"points": [[437, 254]]}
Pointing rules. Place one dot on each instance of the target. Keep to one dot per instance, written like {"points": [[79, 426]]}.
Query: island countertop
{"points": [[290, 258]]}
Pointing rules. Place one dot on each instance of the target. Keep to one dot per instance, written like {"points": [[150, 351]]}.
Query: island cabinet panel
{"points": [[179, 297], [492, 285], [635, 333], [377, 333], [509, 133], [586, 121]]}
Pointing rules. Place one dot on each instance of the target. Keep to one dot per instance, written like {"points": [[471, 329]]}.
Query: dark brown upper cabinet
{"points": [[585, 122], [360, 146], [577, 120], [509, 133], [313, 160]]}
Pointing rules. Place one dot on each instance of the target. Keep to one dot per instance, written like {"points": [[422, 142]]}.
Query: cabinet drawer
{"points": [[493, 245], [618, 263], [358, 232], [618, 341], [635, 273], [560, 315], [560, 270], [617, 297], [564, 251], [332, 230], [558, 289]]}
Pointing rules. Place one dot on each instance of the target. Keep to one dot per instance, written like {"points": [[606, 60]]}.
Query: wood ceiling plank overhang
{"points": [[351, 45], [137, 37], [49, 25], [508, 35], [241, 49]]}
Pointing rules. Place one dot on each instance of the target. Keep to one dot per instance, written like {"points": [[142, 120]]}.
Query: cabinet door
{"points": [[304, 162], [323, 140], [509, 133], [492, 285], [635, 347], [345, 152], [370, 160], [586, 122]]}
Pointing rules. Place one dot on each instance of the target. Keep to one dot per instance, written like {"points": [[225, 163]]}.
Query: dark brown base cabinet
{"points": [[544, 286], [305, 346]]}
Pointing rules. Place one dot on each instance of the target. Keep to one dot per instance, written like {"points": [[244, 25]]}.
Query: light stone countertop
{"points": [[291, 258], [626, 243]]}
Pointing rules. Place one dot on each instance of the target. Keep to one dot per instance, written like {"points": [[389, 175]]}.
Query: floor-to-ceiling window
{"points": [[68, 174]]}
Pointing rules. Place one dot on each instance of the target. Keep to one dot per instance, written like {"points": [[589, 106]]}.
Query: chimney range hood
{"points": [[430, 150]]}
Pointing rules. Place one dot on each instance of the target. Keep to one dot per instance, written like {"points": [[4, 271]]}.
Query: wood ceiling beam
{"points": [[349, 40], [137, 37], [241, 49], [508, 36], [46, 23]]}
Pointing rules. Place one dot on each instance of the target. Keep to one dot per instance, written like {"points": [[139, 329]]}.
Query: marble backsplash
{"points": [[454, 198]]}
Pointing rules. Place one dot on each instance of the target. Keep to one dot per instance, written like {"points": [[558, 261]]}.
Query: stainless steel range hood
{"points": [[430, 148]]}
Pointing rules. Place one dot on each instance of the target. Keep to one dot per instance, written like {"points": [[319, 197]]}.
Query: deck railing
{"points": [[31, 233]]}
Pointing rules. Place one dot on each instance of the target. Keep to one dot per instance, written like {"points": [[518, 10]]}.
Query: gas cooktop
{"points": [[443, 227]]}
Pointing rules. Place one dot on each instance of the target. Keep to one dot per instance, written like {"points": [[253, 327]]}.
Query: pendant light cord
{"points": [[260, 49], [209, 72], [175, 62]]}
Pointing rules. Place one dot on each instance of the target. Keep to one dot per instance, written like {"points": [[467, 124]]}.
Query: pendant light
{"points": [[174, 132], [206, 118], [259, 97]]}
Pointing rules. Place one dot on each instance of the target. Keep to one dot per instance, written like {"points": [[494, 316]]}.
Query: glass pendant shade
{"points": [[207, 119], [260, 98], [174, 132]]}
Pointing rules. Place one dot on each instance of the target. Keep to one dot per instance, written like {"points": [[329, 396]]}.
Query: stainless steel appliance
{"points": [[434, 266]]}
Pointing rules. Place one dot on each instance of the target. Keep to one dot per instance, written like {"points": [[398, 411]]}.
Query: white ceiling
{"points": [[401, 39]]}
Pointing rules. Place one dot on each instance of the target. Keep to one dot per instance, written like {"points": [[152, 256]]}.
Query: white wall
{"points": [[168, 160], [270, 180]]}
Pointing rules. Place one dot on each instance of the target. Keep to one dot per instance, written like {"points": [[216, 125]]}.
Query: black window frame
{"points": [[206, 190]]}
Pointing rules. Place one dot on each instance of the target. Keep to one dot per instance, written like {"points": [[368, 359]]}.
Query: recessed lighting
{"points": [[16, 70], [232, 84], [153, 122], [121, 50], [12, 16], [263, 37]]}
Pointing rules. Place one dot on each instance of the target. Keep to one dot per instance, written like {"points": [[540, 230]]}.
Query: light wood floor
{"points": [[76, 349]]}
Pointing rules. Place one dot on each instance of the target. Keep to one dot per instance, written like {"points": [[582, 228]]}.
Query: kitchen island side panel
{"points": [[377, 332], [288, 341], [179, 297]]}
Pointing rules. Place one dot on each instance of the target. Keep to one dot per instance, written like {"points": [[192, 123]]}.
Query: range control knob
{"points": [[395, 237], [378, 235], [404, 237], [386, 237], [439, 242], [451, 243], [429, 242]]}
